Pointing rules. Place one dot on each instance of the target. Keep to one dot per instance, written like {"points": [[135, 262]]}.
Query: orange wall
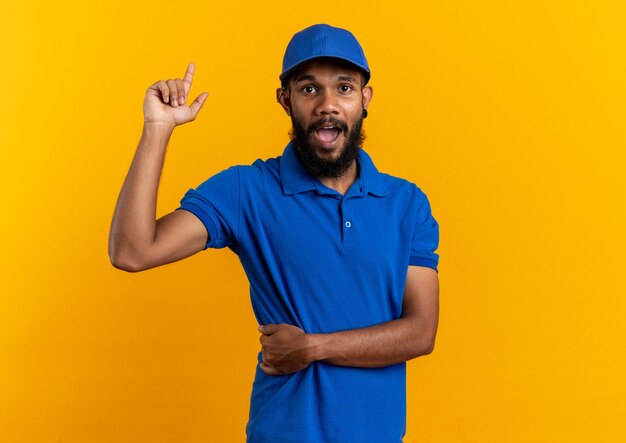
{"points": [[509, 117]]}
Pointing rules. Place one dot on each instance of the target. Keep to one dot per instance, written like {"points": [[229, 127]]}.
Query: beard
{"points": [[318, 166]]}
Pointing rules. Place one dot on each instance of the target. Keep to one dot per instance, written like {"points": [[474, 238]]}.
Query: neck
{"points": [[342, 184]]}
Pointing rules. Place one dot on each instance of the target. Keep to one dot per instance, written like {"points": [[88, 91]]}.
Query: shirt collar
{"points": [[295, 178]]}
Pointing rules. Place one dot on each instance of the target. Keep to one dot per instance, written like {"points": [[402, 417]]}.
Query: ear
{"points": [[282, 97], [368, 92]]}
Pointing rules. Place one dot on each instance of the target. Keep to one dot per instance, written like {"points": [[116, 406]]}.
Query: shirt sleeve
{"points": [[425, 239], [216, 203]]}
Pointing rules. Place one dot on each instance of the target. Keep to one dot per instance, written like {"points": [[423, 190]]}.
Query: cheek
{"points": [[354, 110], [355, 115], [300, 121], [299, 114]]}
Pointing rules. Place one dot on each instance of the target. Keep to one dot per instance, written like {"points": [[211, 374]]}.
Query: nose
{"points": [[327, 103]]}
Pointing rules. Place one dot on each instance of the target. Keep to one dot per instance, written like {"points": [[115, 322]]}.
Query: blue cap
{"points": [[323, 41]]}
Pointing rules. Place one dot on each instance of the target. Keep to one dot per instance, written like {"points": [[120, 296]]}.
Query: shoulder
{"points": [[258, 171], [260, 166], [402, 187]]}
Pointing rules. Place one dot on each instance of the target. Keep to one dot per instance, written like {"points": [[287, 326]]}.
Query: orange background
{"points": [[510, 117]]}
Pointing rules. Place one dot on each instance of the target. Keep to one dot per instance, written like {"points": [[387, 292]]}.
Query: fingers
{"points": [[171, 85], [175, 91], [182, 95], [197, 103], [188, 78], [269, 369], [189, 74], [165, 91]]}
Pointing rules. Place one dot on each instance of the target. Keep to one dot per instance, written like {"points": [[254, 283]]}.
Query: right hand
{"points": [[160, 106]]}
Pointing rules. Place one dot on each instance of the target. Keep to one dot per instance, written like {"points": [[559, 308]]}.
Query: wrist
{"points": [[158, 127], [319, 346]]}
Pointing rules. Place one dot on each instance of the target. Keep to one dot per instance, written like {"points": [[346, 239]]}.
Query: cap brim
{"points": [[291, 69]]}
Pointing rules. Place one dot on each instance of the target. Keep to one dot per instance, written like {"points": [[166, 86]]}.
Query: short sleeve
{"points": [[425, 239], [216, 203]]}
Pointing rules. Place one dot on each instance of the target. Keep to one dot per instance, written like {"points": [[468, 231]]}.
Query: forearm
{"points": [[374, 346], [134, 220]]}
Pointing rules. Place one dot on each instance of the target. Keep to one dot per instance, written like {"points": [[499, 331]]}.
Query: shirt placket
{"points": [[349, 217]]}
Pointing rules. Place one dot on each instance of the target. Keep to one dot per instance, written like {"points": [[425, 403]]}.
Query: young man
{"points": [[340, 257]]}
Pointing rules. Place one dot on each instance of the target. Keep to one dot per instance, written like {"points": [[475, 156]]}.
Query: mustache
{"points": [[328, 121]]}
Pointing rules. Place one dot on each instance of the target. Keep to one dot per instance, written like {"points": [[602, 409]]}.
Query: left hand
{"points": [[285, 349]]}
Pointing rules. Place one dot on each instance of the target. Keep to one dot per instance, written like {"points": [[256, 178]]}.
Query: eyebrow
{"points": [[312, 78]]}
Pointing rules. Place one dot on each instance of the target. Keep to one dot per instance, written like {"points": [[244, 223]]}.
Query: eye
{"points": [[307, 88], [345, 86]]}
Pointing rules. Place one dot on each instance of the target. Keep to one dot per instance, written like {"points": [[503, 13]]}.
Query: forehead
{"points": [[322, 67]]}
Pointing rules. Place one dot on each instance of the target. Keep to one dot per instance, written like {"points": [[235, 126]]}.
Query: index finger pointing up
{"points": [[189, 74]]}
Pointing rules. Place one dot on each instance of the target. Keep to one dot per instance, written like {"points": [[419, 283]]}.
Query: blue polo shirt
{"points": [[324, 262]]}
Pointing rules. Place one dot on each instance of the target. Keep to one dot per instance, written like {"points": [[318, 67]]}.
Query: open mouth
{"points": [[328, 135]]}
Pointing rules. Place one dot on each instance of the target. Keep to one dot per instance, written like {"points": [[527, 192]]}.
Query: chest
{"points": [[317, 231]]}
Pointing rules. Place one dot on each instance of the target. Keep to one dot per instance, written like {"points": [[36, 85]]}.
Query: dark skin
{"points": [[287, 348], [137, 242], [321, 89], [326, 90]]}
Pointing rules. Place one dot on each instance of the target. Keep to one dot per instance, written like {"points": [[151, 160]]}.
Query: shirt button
{"points": [[348, 224]]}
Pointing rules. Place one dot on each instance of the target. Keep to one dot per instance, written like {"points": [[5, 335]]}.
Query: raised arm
{"points": [[138, 241]]}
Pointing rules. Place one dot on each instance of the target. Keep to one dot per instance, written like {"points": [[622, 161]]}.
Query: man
{"points": [[340, 257]]}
